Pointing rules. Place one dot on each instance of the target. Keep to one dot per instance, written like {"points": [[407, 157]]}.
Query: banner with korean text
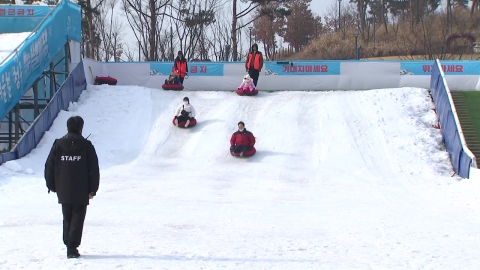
{"points": [[194, 69], [448, 67], [303, 68], [20, 71], [21, 18]]}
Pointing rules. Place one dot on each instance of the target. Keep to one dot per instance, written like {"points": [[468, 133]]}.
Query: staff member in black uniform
{"points": [[72, 172]]}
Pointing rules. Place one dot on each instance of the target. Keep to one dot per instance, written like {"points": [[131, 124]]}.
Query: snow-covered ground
{"points": [[341, 180], [9, 42]]}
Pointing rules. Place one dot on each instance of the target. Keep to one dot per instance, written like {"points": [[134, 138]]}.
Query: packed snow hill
{"points": [[9, 42], [340, 180]]}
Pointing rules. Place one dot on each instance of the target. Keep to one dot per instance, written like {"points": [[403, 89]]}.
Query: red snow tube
{"points": [[181, 124], [248, 153], [176, 87], [105, 80], [245, 92]]}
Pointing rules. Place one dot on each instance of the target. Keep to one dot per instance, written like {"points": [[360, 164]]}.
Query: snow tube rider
{"points": [[247, 87], [242, 141], [185, 113]]}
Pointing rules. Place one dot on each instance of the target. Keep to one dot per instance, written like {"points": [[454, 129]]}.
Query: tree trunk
{"points": [[234, 32], [474, 6], [153, 31], [385, 16], [91, 30]]}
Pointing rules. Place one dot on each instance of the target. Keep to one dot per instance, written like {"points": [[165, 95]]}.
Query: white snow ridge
{"points": [[340, 180]]}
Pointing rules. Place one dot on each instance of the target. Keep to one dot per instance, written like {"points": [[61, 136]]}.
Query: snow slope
{"points": [[9, 42], [341, 180]]}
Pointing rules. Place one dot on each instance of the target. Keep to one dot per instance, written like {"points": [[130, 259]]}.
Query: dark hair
{"points": [[255, 45], [241, 123], [186, 98], [180, 52], [75, 124]]}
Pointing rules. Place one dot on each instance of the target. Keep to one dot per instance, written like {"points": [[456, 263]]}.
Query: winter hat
{"points": [[180, 52], [241, 123]]}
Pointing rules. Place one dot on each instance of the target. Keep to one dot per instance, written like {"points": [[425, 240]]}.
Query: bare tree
{"points": [[219, 41], [110, 32], [143, 17], [252, 5], [191, 23]]}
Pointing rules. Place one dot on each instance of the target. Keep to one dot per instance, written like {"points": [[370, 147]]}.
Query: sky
{"points": [[319, 7]]}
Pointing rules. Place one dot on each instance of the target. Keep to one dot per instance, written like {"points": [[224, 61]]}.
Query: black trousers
{"points": [[181, 79], [241, 148], [254, 73], [182, 118], [73, 219]]}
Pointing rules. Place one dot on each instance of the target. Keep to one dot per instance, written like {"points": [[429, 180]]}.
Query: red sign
{"points": [[445, 68], [16, 12], [306, 68]]}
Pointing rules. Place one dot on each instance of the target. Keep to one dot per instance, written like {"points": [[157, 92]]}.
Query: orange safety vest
{"points": [[181, 67], [256, 63]]}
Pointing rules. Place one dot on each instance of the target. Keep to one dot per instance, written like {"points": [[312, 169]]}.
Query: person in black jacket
{"points": [[72, 171]]}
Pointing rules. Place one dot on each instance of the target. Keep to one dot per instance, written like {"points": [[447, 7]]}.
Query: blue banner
{"points": [[19, 72], [448, 67], [303, 68], [17, 19], [460, 160], [194, 69]]}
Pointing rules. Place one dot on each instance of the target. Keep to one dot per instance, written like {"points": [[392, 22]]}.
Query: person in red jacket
{"points": [[242, 140], [181, 67], [254, 63]]}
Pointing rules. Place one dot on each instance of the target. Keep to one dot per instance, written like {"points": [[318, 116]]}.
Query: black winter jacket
{"points": [[72, 169]]}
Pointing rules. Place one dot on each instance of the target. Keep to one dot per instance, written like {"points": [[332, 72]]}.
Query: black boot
{"points": [[72, 253]]}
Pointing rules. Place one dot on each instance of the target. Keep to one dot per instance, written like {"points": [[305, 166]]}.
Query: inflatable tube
{"points": [[175, 87], [105, 80], [242, 92], [182, 123], [248, 153]]}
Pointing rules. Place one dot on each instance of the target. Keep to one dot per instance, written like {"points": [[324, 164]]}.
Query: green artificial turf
{"points": [[472, 102]]}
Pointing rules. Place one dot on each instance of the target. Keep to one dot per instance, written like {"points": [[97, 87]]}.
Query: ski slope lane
{"points": [[341, 180]]}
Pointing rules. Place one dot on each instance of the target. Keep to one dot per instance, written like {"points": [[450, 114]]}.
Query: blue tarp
{"points": [[461, 162], [20, 72], [68, 92], [22, 18]]}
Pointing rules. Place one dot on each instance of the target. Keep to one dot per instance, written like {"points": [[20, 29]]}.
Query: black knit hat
{"points": [[180, 52], [241, 123]]}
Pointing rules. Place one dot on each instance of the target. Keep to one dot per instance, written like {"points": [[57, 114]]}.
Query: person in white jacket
{"points": [[185, 112]]}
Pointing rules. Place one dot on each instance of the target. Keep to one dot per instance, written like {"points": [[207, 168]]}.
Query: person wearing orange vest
{"points": [[254, 63], [181, 67]]}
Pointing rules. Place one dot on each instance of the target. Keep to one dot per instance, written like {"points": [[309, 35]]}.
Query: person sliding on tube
{"points": [[254, 64], [181, 67], [242, 140], [185, 112]]}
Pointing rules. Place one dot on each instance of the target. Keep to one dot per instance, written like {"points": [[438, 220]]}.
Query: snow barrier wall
{"points": [[461, 157], [70, 90], [292, 75]]}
